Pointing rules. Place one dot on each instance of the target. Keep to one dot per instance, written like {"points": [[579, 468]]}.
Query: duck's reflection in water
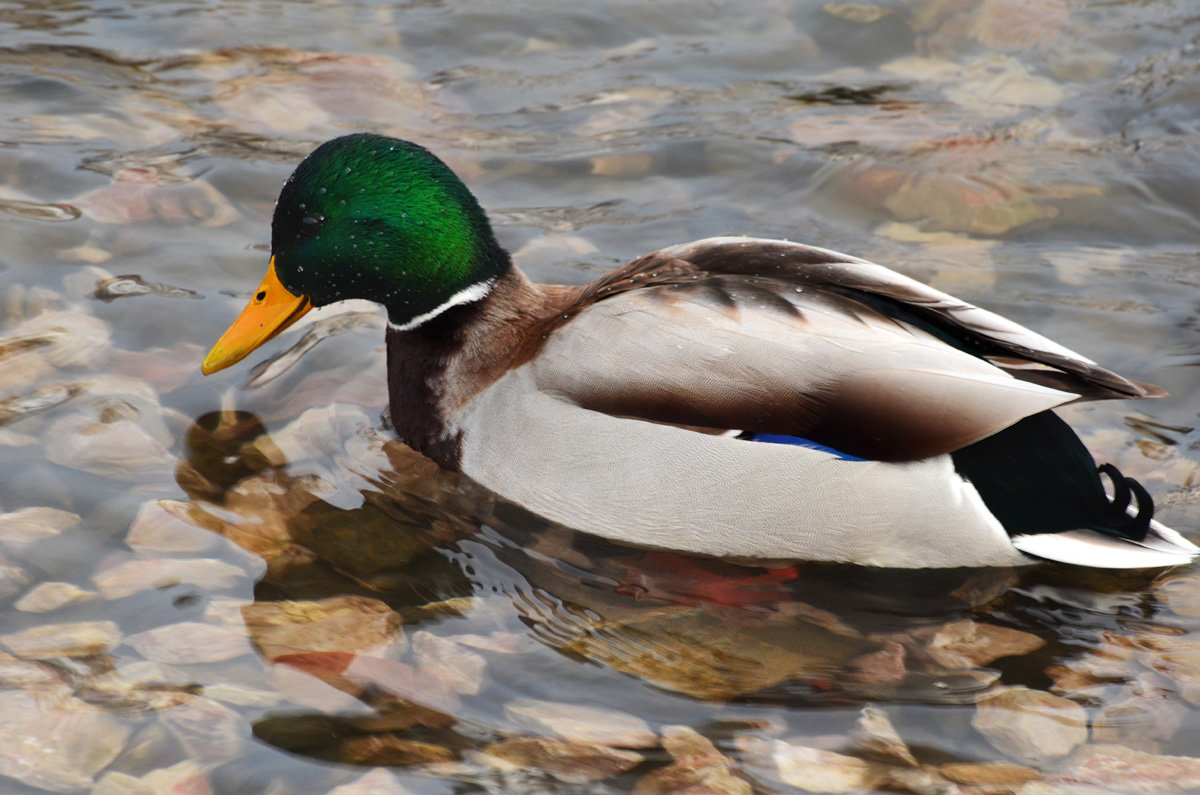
{"points": [[409, 615]]}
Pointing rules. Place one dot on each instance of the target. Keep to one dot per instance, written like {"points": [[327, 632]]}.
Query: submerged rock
{"points": [[163, 527], [21, 529], [190, 642], [1113, 768], [121, 449], [351, 624], [1176, 658], [989, 774], [1181, 595], [571, 762], [699, 768], [883, 668], [383, 683], [996, 86], [255, 516], [78, 639], [1030, 725], [184, 778], [875, 735], [312, 691], [114, 287], [56, 743], [1145, 719], [51, 596], [459, 668], [858, 13], [692, 650], [812, 769], [242, 695], [165, 369], [137, 686], [140, 194], [38, 211], [51, 340], [1017, 24], [209, 731], [379, 781], [1111, 661], [134, 576], [118, 430], [388, 749], [28, 674], [13, 579], [969, 644], [582, 724]]}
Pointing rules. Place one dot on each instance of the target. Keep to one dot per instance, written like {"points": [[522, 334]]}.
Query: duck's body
{"points": [[734, 397]]}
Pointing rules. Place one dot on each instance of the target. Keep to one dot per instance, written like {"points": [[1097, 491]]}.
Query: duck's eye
{"points": [[311, 224]]}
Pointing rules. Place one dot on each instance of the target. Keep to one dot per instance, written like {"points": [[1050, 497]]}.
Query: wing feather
{"points": [[1024, 353], [776, 337]]}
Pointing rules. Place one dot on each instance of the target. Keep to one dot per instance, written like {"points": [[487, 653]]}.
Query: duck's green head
{"points": [[365, 216]]}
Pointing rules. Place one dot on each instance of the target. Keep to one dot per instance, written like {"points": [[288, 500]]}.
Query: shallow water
{"points": [[1038, 158]]}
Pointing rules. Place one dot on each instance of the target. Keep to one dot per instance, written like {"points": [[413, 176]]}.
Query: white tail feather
{"points": [[1161, 547]]}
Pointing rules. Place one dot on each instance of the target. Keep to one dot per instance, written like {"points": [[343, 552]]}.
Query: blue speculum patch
{"points": [[796, 441]]}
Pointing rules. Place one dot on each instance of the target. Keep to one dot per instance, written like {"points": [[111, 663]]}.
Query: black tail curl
{"points": [[1121, 523], [1037, 477]]}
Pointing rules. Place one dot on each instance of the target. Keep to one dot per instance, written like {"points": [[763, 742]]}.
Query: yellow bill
{"points": [[271, 311]]}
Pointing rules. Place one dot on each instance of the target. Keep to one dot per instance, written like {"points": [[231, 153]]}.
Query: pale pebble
{"points": [[57, 743], [22, 528], [582, 723], [50, 596], [190, 642], [77, 639], [1031, 726], [134, 576]]}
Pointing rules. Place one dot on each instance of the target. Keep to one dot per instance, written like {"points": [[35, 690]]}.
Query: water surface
{"points": [[168, 539]]}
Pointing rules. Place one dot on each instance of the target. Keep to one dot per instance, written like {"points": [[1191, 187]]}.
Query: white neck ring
{"points": [[465, 296]]}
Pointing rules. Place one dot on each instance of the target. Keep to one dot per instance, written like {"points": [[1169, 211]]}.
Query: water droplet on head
{"points": [[323, 191]]}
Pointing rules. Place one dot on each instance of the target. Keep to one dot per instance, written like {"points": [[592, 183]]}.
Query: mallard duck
{"points": [[732, 397]]}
